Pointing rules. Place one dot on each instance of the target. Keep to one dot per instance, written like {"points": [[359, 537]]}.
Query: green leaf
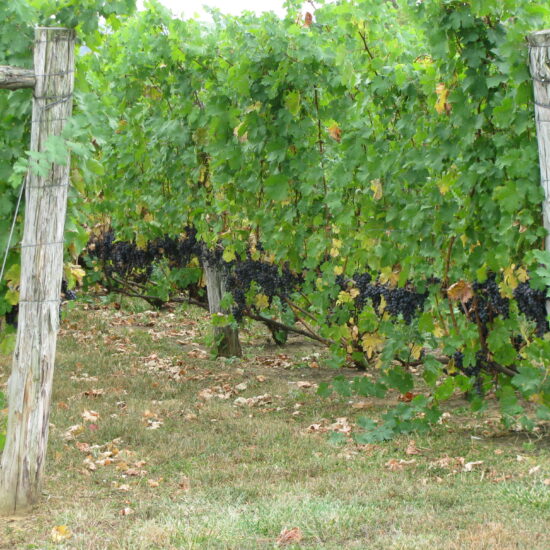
{"points": [[399, 379], [276, 187], [445, 390], [292, 102]]}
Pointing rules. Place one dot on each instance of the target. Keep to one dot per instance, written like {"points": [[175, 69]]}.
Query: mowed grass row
{"points": [[155, 445]]}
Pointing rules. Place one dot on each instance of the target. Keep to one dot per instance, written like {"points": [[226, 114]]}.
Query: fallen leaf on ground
{"points": [[469, 466], [361, 405], [83, 447], [184, 483], [73, 431], [90, 416], [94, 393], [261, 378], [412, 448], [289, 536], [305, 384], [60, 533], [253, 401], [154, 424], [395, 464], [90, 464], [135, 472], [126, 511]]}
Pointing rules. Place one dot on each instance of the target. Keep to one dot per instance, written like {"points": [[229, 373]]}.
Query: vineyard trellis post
{"points": [[539, 61], [30, 382], [226, 337]]}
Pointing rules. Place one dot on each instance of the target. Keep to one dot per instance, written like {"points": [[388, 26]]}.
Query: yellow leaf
{"points": [[537, 398], [438, 331], [505, 290], [60, 533], [338, 270], [416, 351], [148, 217], [510, 279], [442, 95], [382, 305], [521, 274], [12, 297], [335, 132], [262, 301], [344, 298], [371, 342], [376, 188], [228, 255], [389, 275], [334, 252], [77, 272]]}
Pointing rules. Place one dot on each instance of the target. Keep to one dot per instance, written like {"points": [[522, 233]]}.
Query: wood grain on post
{"points": [[539, 61], [227, 337], [13, 78], [30, 382]]}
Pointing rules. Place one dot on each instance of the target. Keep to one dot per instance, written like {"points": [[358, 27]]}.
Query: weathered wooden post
{"points": [[539, 61], [226, 337], [30, 383]]}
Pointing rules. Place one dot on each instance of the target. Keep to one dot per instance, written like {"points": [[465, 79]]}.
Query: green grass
{"points": [[215, 475]]}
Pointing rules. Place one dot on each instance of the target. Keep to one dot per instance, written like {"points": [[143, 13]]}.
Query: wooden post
{"points": [[13, 78], [539, 61], [226, 337], [30, 382]]}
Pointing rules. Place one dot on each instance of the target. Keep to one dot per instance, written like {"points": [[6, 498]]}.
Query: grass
{"points": [[167, 465]]}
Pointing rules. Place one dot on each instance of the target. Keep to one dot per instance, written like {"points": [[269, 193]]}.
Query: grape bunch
{"points": [[272, 281], [479, 366], [127, 259], [487, 303], [532, 303], [398, 301]]}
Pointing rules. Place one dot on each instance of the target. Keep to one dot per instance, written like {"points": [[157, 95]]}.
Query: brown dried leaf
{"points": [[184, 483], [469, 466], [289, 536], [412, 448], [361, 405], [304, 384], [461, 290], [396, 465], [335, 132], [90, 416], [73, 431]]}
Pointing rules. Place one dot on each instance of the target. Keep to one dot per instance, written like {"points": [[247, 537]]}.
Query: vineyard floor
{"points": [[155, 445]]}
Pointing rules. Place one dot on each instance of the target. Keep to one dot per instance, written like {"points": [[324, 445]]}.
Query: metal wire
{"points": [[29, 245], [8, 244]]}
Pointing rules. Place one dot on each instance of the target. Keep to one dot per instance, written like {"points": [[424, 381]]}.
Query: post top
{"points": [[539, 38]]}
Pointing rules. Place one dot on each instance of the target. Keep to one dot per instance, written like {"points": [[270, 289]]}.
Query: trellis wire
{"points": [[60, 99]]}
